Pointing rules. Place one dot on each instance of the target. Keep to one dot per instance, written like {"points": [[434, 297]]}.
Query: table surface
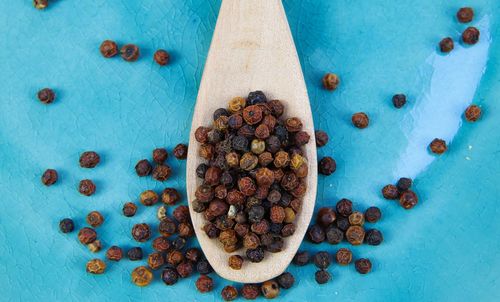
{"points": [[445, 249]]}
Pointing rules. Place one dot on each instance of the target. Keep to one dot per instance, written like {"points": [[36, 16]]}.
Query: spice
{"points": [[398, 100], [343, 256], [330, 81], [390, 192], [470, 35], [179, 243], [174, 257], [161, 57], [161, 172], [321, 138], [355, 235], [322, 276], [181, 214], [170, 196], [184, 269], [285, 280], [142, 276], [342, 223], [204, 284], [160, 155], [404, 184], [334, 235], [255, 255], [465, 14], [155, 260], [236, 104], [229, 293], [169, 276], [438, 146], [129, 209], [143, 168], [250, 291], [270, 289], [95, 246], [360, 120], [373, 214], [66, 225], [167, 227], [40, 4], [363, 265], [87, 235], [86, 187], [235, 262], [108, 49], [141, 232], [96, 266], [134, 254], [408, 199], [446, 45], [256, 97], [181, 151], [374, 237], [316, 234], [322, 260], [114, 253], [49, 177], [325, 216], [161, 244], [301, 258], [193, 255], [357, 218], [95, 219], [472, 113], [327, 165], [344, 207], [203, 267], [46, 96], [89, 159], [129, 52], [148, 198]]}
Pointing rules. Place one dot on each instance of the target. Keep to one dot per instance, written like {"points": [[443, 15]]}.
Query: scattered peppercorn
{"points": [[344, 207], [327, 166], [66, 225], [229, 293], [285, 280], [470, 35], [363, 265], [96, 266], [330, 81], [250, 291], [161, 57], [108, 49], [114, 253], [135, 254], [398, 100], [162, 172], [167, 227], [193, 255], [141, 232], [87, 235], [181, 151], [160, 155], [404, 184], [438, 146], [40, 4], [235, 262], [270, 289], [179, 243], [174, 257], [203, 267], [446, 45], [89, 159], [148, 198], [316, 234], [169, 276], [95, 219], [334, 235], [129, 209], [390, 192], [46, 96], [142, 276], [360, 120], [321, 138], [129, 52], [322, 276], [408, 199], [356, 218], [465, 14], [374, 237], [472, 113], [355, 235], [301, 258], [256, 97], [373, 214], [143, 168], [322, 260], [49, 177], [204, 284], [86, 187], [343, 256], [155, 260]]}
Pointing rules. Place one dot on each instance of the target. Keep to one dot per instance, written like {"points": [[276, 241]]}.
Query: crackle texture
{"points": [[445, 249]]}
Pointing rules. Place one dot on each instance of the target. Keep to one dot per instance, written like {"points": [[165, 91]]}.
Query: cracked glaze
{"points": [[123, 110]]}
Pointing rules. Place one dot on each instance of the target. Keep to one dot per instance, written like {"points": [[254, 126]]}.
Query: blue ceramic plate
{"points": [[446, 249]]}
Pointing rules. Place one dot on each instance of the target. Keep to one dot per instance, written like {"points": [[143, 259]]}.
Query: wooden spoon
{"points": [[252, 49]]}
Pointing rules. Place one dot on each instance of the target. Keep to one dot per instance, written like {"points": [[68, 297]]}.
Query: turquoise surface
{"points": [[446, 249]]}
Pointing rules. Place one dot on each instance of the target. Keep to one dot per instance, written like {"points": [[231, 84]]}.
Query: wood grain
{"points": [[252, 49]]}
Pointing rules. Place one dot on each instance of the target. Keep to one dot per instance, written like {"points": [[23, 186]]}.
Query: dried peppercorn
{"points": [[289, 213], [252, 114], [201, 134], [87, 235], [108, 48], [363, 265], [472, 113], [66, 225], [167, 227], [240, 143], [229, 293], [357, 218], [211, 230], [343, 256], [203, 267], [49, 177], [322, 276], [290, 181], [96, 266], [288, 230], [301, 258], [181, 151], [342, 223], [89, 159], [293, 124], [465, 14], [270, 289], [179, 243], [438, 146], [277, 107], [446, 45], [327, 165], [129, 209], [355, 235], [155, 260], [235, 121], [185, 269], [169, 276], [404, 184], [325, 216], [360, 120], [193, 255], [161, 244], [255, 255], [86, 187], [114, 253], [235, 262], [277, 214], [470, 35], [212, 176], [40, 4], [130, 52], [322, 260], [344, 207], [321, 138], [330, 81], [46, 95], [204, 284], [334, 235], [134, 254], [141, 232], [161, 172], [236, 104], [408, 199], [94, 246], [316, 234], [257, 146], [301, 138], [250, 291], [256, 97], [285, 280], [95, 219], [148, 198], [374, 237], [390, 192], [399, 100], [251, 241], [185, 229], [142, 276], [373, 214], [174, 257], [170, 196], [160, 155], [162, 57], [143, 168]]}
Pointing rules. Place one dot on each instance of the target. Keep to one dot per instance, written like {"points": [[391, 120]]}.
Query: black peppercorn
{"points": [[399, 100], [344, 207], [404, 184], [229, 293], [129, 209], [141, 232], [322, 277], [255, 255], [143, 168], [160, 155], [204, 267], [438, 146], [327, 166], [108, 49], [408, 199], [66, 225], [86, 187], [169, 276], [49, 177], [330, 81], [321, 138], [301, 258], [46, 95], [321, 260], [201, 170], [372, 214], [470, 35], [130, 52], [89, 159], [316, 234], [285, 280], [334, 235], [134, 254], [204, 284], [180, 151], [342, 223], [162, 57], [390, 192], [363, 265], [446, 45], [374, 237], [472, 113], [256, 97]]}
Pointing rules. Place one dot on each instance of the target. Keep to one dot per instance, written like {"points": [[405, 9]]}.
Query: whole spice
{"points": [[169, 276], [256, 97], [114, 253], [94, 246], [129, 209], [465, 14], [235, 262], [373, 214], [470, 35], [161, 244], [285, 280], [404, 184], [446, 45], [229, 293], [148, 198], [86, 187], [143, 168], [162, 172], [334, 235], [108, 48], [316, 234], [161, 57], [322, 276], [342, 223], [438, 146], [472, 113], [204, 284], [184, 269], [181, 213], [142, 276], [160, 155], [343, 256], [355, 235], [344, 207], [96, 266], [252, 114], [236, 104], [129, 52], [321, 138], [330, 81], [360, 120], [325, 216], [40, 4], [293, 124], [399, 100], [203, 267], [322, 260], [181, 151], [193, 255], [89, 159], [46, 96], [167, 227], [155, 260], [174, 257], [250, 291], [390, 192], [49, 177], [179, 243], [357, 218], [95, 219], [363, 265], [141, 232], [87, 235], [373, 237], [255, 255], [170, 196], [270, 289], [408, 199], [327, 165], [66, 225], [134, 254], [301, 258]]}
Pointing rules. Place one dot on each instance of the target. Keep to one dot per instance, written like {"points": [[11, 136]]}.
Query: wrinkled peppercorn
{"points": [[252, 114], [334, 235], [390, 192], [141, 232], [95, 246], [327, 166], [229, 293], [321, 259], [167, 227], [181, 151], [204, 284], [96, 266], [174, 257], [316, 234], [301, 258], [40, 4], [143, 168], [293, 124], [344, 207], [270, 289], [236, 104], [438, 146], [203, 267], [162, 57], [321, 138], [363, 265], [357, 218], [465, 14], [129, 52], [343, 256], [94, 219], [250, 291], [162, 172], [169, 276], [235, 262], [193, 255], [446, 45], [404, 184], [285, 280], [161, 244], [325, 216], [148, 198], [87, 235], [255, 255], [185, 269], [66, 225], [374, 237], [86, 187], [408, 199], [179, 243], [201, 170], [472, 113], [256, 97], [399, 100], [108, 48], [49, 177], [160, 155], [181, 213], [170, 196], [134, 254], [360, 120], [114, 253], [355, 235], [129, 209], [46, 95], [373, 214], [322, 276], [330, 81], [470, 35], [142, 276], [89, 159], [342, 223], [185, 230]]}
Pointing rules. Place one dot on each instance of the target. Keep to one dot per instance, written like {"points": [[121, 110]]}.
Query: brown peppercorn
{"points": [[49, 177], [142, 276], [327, 166], [95, 219], [465, 14], [212, 176], [288, 230], [373, 214], [181, 151], [472, 113], [108, 49], [220, 192], [87, 235], [204, 284], [181, 213], [270, 289], [252, 114], [143, 168], [167, 227], [235, 262], [114, 253], [129, 52], [262, 131], [162, 57], [185, 229], [446, 45], [316, 234], [161, 244], [344, 207], [398, 100], [289, 181], [301, 138], [207, 151], [96, 266], [281, 159], [184, 269], [218, 207], [270, 122], [438, 146], [251, 241], [355, 235], [46, 96], [89, 159], [148, 198], [363, 265], [330, 81], [86, 187], [241, 229], [228, 237], [141, 232], [326, 216], [293, 124], [360, 120], [95, 246], [40, 4], [470, 35], [357, 218], [390, 192], [229, 293], [204, 193], [162, 172], [193, 255], [232, 159], [248, 161], [160, 155], [277, 214], [250, 291], [264, 177], [408, 199], [155, 260], [221, 123], [322, 276], [201, 134], [247, 186], [343, 256], [129, 209], [235, 121], [174, 257], [321, 138], [170, 196]]}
